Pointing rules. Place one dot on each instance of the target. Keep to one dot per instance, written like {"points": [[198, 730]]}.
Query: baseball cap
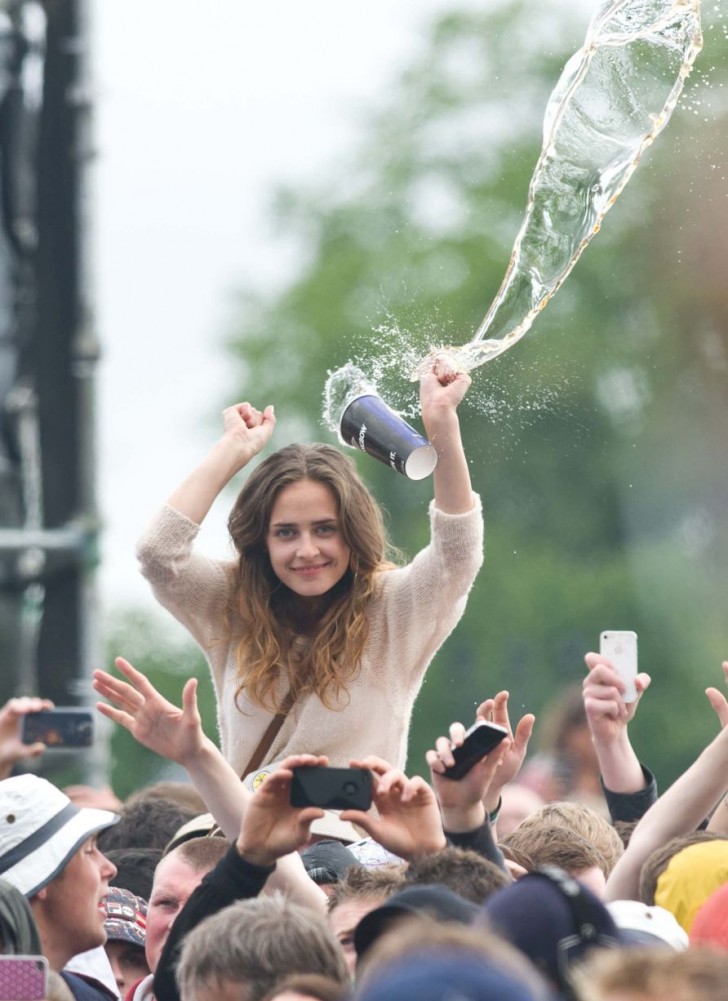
{"points": [[126, 916], [40, 830], [428, 977], [642, 924], [553, 919], [428, 900]]}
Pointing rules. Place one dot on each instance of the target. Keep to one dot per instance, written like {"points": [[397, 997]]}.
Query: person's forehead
{"points": [[174, 869]]}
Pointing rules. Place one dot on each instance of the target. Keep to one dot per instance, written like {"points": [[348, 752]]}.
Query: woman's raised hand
{"points": [[248, 428]]}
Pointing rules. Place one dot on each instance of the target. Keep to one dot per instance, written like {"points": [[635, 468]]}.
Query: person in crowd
{"points": [[695, 974], [359, 891], [628, 786], [126, 935], [48, 851], [308, 987], [315, 642], [414, 940], [686, 805], [549, 844], [462, 870], [18, 933], [176, 877], [584, 820], [554, 920], [247, 948], [147, 821], [12, 747], [135, 869]]}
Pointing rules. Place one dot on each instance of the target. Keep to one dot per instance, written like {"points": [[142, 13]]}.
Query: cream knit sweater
{"points": [[413, 610]]}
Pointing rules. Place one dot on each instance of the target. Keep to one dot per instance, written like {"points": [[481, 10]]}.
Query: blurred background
{"points": [[200, 208]]}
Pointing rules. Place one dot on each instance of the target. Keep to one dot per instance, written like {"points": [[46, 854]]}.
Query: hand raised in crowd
{"points": [[608, 715], [718, 700], [12, 748], [248, 428], [606, 711], [159, 725], [406, 820], [271, 827], [496, 710], [462, 800]]}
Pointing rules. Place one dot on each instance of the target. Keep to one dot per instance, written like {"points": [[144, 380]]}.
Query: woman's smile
{"points": [[306, 548]]}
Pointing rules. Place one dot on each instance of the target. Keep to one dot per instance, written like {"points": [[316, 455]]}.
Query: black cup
{"points": [[369, 424]]}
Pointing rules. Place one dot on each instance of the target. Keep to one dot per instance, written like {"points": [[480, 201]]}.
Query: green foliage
{"points": [[598, 442]]}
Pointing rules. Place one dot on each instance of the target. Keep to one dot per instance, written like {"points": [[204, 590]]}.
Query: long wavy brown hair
{"points": [[265, 608]]}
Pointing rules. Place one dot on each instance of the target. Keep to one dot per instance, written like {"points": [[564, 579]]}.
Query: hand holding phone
{"points": [[58, 728], [479, 740], [620, 648], [331, 788]]}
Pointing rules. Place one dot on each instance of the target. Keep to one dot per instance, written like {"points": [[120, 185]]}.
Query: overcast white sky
{"points": [[200, 110]]}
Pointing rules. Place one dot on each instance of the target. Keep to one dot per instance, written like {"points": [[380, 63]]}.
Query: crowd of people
{"points": [[495, 885]]}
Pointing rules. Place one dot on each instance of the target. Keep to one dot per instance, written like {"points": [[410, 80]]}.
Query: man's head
{"points": [[177, 875], [245, 949], [48, 851]]}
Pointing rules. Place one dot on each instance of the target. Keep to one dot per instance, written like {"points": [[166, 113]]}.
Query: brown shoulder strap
{"points": [[269, 736]]}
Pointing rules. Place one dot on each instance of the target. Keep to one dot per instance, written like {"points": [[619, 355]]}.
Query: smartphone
{"points": [[332, 788], [59, 728], [23, 978], [620, 647], [479, 740]]}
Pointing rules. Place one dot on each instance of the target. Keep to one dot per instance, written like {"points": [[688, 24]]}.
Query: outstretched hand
{"points": [[12, 748], [514, 754], [271, 827], [407, 819], [159, 725], [718, 700]]}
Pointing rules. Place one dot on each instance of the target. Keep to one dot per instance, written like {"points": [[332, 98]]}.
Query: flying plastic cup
{"points": [[369, 424]]}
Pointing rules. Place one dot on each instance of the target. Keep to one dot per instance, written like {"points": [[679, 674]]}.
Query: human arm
{"points": [[514, 753], [608, 717], [464, 816], [678, 811], [442, 388], [719, 821], [12, 748], [176, 733], [246, 431], [407, 819]]}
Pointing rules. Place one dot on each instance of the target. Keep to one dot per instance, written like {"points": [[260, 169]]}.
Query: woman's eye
{"points": [[327, 529]]}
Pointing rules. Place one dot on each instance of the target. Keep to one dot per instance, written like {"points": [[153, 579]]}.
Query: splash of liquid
{"points": [[615, 95], [343, 386]]}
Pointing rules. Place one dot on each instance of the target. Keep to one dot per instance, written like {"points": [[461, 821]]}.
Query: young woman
{"points": [[315, 643]]}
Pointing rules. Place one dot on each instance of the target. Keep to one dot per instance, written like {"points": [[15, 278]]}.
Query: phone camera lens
{"points": [[350, 788]]}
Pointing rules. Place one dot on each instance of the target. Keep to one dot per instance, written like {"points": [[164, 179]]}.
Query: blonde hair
{"points": [[266, 647]]}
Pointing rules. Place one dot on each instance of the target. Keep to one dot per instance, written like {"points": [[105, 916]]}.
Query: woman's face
{"points": [[306, 548]]}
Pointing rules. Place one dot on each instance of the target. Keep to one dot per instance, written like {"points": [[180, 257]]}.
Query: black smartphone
{"points": [[479, 740], [332, 788], [59, 728]]}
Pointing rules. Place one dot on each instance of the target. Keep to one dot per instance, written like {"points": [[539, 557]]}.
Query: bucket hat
{"points": [[40, 830], [126, 916]]}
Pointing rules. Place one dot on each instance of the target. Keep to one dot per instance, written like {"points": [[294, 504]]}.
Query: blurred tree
{"points": [[597, 442]]}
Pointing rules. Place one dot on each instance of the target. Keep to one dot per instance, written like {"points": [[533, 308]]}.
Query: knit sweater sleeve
{"points": [[421, 603], [193, 587]]}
